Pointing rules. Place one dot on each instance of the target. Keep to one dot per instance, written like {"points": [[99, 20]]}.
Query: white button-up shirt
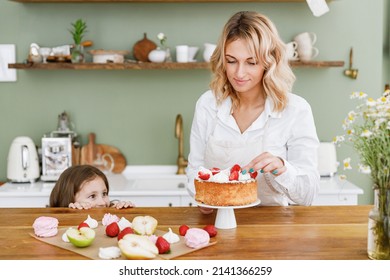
{"points": [[290, 135]]}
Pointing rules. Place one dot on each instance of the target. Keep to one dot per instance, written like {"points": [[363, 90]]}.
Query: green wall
{"points": [[136, 110]]}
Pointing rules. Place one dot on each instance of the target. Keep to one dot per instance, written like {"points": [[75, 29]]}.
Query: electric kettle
{"points": [[22, 161]]}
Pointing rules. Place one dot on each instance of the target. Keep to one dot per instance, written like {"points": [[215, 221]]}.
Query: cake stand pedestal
{"points": [[226, 219]]}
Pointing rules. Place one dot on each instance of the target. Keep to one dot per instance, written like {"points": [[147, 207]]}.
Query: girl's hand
{"points": [[123, 204], [80, 205], [266, 162]]}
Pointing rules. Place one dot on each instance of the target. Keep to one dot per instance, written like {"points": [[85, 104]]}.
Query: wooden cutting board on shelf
{"points": [[92, 152]]}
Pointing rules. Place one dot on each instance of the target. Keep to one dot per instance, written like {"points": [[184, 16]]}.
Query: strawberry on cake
{"points": [[228, 187]]}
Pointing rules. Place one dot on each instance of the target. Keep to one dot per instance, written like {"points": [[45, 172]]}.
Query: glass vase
{"points": [[78, 55], [378, 243], [168, 57]]}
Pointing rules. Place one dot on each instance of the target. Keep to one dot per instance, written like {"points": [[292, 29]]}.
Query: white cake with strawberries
{"points": [[228, 187]]}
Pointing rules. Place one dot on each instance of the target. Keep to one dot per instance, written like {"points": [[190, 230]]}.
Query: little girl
{"points": [[83, 187]]}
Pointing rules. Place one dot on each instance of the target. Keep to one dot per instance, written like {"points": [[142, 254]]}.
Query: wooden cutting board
{"points": [[91, 152]]}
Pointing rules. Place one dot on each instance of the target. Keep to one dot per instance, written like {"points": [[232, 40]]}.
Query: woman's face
{"points": [[95, 192], [242, 70]]}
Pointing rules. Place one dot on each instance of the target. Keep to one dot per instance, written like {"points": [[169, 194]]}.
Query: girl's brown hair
{"points": [[70, 182], [264, 42]]}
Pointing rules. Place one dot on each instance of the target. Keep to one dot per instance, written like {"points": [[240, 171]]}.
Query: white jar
{"points": [[157, 55]]}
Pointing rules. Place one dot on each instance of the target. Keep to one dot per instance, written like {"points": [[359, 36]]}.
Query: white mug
{"points": [[308, 54], [192, 51], [291, 49], [305, 40], [182, 53]]}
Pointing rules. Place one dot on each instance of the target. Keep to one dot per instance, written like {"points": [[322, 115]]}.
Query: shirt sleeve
{"points": [[301, 180], [205, 113]]}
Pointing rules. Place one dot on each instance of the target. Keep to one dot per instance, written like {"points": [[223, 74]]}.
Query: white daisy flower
{"points": [[364, 169], [366, 133], [347, 163]]}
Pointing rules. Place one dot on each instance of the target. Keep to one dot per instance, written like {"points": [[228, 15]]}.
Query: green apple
{"points": [[82, 237], [137, 247], [144, 225]]}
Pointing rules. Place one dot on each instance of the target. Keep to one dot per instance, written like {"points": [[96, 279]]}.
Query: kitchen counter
{"points": [[272, 233], [160, 189], [155, 186]]}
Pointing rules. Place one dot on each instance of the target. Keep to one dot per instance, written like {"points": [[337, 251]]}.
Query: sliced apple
{"points": [[82, 237], [137, 247], [144, 225]]}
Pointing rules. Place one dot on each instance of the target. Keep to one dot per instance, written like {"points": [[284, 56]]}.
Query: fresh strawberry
{"points": [[125, 231], [183, 229], [253, 174], [235, 167], [112, 229], [163, 245], [203, 175], [83, 224], [215, 170], [211, 230], [233, 175]]}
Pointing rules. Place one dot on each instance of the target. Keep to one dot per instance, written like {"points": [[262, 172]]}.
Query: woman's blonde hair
{"points": [[264, 42]]}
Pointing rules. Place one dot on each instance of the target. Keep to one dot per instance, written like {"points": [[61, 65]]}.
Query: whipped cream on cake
{"points": [[229, 175]]}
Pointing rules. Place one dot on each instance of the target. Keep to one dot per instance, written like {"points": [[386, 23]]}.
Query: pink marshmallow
{"points": [[196, 238], [45, 226]]}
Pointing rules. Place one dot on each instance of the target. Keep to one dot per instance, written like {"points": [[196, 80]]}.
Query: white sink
{"points": [[148, 177], [160, 183]]}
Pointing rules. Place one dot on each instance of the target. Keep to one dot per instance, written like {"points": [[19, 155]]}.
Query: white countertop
{"points": [[134, 181], [155, 180]]}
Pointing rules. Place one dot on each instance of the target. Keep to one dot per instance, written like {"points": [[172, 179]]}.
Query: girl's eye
{"points": [[105, 194], [252, 62], [230, 61], [92, 196]]}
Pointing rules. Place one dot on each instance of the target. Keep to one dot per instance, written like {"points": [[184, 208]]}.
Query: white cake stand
{"points": [[226, 218]]}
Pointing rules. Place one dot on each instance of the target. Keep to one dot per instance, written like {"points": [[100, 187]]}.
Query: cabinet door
{"points": [[188, 201], [24, 202], [336, 199]]}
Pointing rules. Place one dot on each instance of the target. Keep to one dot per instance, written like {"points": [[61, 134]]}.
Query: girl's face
{"points": [[94, 192], [243, 71]]}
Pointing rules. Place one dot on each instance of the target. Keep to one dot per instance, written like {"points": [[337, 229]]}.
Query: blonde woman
{"points": [[251, 118]]}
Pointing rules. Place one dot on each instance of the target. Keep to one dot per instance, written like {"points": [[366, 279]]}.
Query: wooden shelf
{"points": [[152, 1], [149, 65]]}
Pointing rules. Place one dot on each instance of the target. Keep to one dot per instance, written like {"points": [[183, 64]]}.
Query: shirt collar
{"points": [[225, 109]]}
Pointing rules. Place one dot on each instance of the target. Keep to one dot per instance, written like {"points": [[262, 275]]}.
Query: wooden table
{"points": [[294, 232]]}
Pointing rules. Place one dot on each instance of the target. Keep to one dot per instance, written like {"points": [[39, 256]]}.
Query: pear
{"points": [[144, 225], [137, 247], [82, 237]]}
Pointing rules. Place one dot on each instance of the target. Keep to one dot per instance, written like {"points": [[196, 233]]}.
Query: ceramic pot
{"points": [[157, 55]]}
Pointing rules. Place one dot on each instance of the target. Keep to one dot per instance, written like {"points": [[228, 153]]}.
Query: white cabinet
{"points": [[334, 191]]}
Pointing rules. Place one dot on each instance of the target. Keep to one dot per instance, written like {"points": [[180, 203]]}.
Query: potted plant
{"points": [[79, 28], [368, 130]]}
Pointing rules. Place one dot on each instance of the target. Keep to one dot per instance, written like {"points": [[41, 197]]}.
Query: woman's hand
{"points": [[266, 162], [205, 210], [123, 204]]}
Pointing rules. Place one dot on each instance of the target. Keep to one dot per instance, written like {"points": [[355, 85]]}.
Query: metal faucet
{"points": [[181, 161]]}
